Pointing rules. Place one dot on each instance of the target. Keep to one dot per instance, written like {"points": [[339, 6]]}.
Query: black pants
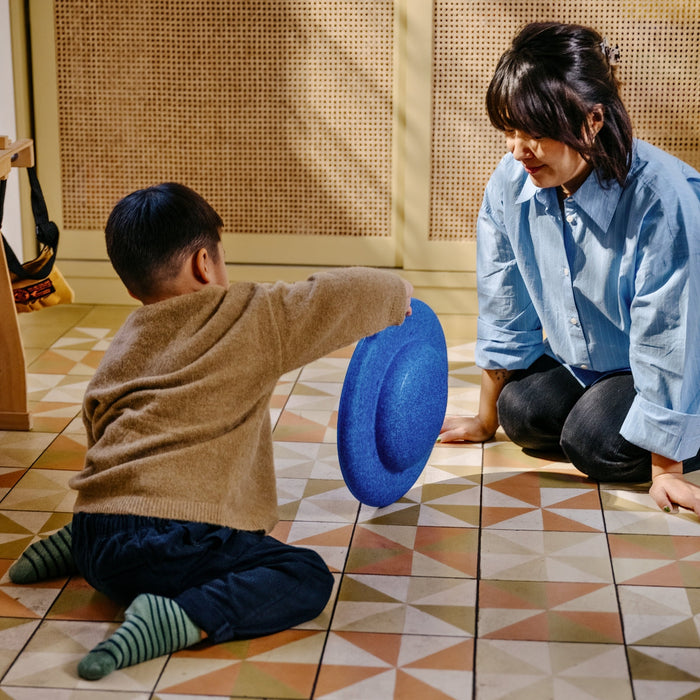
{"points": [[545, 409]]}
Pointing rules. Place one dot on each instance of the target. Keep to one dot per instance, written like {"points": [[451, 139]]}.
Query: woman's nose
{"points": [[519, 148]]}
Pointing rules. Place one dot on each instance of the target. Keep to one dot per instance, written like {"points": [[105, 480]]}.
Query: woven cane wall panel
{"points": [[660, 47], [279, 112]]}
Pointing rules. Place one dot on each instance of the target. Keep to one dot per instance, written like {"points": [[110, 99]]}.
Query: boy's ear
{"points": [[201, 266]]}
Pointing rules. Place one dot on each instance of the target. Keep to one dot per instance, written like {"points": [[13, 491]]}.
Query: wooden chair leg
{"points": [[13, 378]]}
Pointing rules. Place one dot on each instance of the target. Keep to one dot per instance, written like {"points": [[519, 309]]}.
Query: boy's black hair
{"points": [[549, 82], [151, 232]]}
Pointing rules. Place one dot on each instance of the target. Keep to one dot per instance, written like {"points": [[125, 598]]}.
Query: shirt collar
{"points": [[528, 191], [598, 202]]}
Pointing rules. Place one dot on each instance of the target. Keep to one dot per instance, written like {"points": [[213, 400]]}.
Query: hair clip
{"points": [[612, 53]]}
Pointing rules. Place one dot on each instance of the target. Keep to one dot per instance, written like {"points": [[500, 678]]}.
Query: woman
{"points": [[588, 271]]}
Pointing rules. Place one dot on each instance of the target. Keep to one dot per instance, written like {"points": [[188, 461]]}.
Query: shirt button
{"points": [[571, 218], [565, 271], [574, 321], [584, 366]]}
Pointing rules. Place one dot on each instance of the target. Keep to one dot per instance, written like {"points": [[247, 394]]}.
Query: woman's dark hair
{"points": [[152, 231], [549, 82]]}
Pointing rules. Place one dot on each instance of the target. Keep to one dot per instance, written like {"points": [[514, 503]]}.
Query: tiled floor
{"points": [[497, 576]]}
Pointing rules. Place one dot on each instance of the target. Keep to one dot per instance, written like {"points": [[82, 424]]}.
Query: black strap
{"points": [[46, 231], [3, 187]]}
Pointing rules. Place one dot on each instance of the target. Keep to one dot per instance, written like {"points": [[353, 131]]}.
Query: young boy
{"points": [[178, 489]]}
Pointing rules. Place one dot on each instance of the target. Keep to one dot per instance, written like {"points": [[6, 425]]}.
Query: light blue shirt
{"points": [[610, 281]]}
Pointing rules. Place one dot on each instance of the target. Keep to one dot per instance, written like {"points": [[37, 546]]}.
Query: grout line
{"points": [[335, 603], [478, 575], [616, 589]]}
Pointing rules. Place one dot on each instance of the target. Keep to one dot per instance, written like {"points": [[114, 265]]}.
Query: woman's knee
{"points": [[526, 420], [511, 415], [533, 406], [605, 456], [591, 436]]}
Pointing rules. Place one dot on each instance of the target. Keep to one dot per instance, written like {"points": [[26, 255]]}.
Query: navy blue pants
{"points": [[545, 409], [232, 584]]}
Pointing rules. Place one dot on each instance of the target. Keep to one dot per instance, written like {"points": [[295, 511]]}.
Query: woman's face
{"points": [[549, 163]]}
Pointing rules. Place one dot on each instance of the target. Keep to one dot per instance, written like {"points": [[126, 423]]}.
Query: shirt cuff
{"points": [[500, 348], [661, 430]]}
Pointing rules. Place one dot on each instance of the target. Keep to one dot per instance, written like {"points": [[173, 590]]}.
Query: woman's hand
{"points": [[471, 429], [483, 426], [671, 490]]}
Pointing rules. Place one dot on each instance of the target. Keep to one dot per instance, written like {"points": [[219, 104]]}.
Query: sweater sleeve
{"points": [[332, 309]]}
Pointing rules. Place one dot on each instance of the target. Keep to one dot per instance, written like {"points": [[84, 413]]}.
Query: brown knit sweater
{"points": [[177, 414]]}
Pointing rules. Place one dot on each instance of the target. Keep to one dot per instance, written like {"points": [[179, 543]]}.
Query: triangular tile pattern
{"points": [[78, 600], [15, 632], [49, 660], [661, 616], [381, 665], [537, 670], [406, 604], [498, 575], [447, 493], [282, 665], [307, 460], [42, 490], [668, 672], [67, 452], [630, 509], [540, 500], [414, 551], [307, 426], [523, 555], [19, 450], [330, 539], [18, 529], [26, 601], [316, 500], [656, 560], [549, 611]]}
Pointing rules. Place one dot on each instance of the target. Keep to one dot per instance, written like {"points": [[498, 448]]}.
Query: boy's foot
{"points": [[48, 558], [153, 626]]}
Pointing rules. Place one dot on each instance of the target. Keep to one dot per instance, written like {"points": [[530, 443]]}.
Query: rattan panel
{"points": [[660, 45], [278, 111]]}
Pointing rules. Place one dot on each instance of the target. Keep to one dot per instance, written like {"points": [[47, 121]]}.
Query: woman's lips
{"points": [[532, 169]]}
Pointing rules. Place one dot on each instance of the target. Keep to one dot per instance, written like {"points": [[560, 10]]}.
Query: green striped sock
{"points": [[48, 558], [153, 626]]}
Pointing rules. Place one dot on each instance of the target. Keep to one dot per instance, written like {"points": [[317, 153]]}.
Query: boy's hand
{"points": [[409, 294]]}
